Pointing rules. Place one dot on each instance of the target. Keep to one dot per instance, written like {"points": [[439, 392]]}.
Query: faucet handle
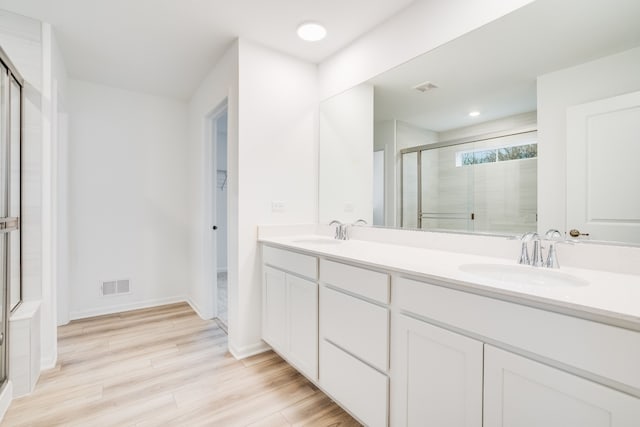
{"points": [[338, 224], [553, 235]]}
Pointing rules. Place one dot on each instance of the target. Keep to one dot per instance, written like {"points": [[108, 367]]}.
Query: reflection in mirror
{"points": [[503, 169], [485, 185], [346, 168]]}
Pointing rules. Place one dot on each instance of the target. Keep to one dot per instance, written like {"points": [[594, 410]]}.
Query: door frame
{"points": [[210, 262]]}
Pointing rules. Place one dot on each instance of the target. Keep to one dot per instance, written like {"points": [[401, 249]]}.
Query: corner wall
{"points": [[277, 161], [219, 85]]}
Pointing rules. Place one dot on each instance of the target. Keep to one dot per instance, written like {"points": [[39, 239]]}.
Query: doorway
{"points": [[219, 215]]}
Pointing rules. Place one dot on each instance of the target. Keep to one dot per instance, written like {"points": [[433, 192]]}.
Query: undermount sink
{"points": [[319, 241], [523, 275]]}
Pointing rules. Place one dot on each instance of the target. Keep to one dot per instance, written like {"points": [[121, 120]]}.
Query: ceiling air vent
{"points": [[423, 87], [115, 287]]}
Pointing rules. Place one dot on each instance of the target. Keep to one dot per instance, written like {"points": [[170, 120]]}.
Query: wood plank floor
{"points": [[165, 366]]}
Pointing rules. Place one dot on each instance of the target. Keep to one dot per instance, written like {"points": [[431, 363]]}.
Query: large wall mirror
{"points": [[528, 123]]}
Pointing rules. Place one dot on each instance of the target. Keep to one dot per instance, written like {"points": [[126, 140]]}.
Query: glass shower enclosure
{"points": [[11, 84]]}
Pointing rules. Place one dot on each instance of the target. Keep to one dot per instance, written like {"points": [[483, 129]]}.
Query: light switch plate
{"points": [[277, 206]]}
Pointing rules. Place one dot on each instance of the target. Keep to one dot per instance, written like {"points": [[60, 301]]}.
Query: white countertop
{"points": [[611, 298]]}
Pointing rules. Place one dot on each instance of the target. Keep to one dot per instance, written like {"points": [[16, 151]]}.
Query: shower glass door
{"points": [[10, 138]]}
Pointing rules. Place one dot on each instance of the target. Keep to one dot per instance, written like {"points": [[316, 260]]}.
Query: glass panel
{"points": [[505, 191], [4, 144], [410, 190], [14, 196], [14, 202], [447, 190]]}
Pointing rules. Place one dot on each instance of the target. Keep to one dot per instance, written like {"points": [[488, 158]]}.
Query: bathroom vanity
{"points": [[407, 336]]}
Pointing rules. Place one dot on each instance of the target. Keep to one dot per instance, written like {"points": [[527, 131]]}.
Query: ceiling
{"points": [[166, 47], [494, 68]]}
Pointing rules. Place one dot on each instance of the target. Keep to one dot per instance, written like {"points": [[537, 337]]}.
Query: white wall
{"points": [[346, 156], [54, 78], [59, 176], [424, 25], [128, 170], [278, 143], [219, 85], [603, 78], [384, 138], [517, 121]]}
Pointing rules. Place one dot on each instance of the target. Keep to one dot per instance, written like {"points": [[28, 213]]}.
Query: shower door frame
{"points": [[420, 148], [9, 225]]}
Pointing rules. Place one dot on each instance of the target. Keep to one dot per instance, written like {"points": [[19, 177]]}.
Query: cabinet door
{"points": [[303, 325], [437, 378], [519, 392], [274, 303]]}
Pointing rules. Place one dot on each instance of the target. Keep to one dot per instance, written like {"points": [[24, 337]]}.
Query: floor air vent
{"points": [[115, 287]]}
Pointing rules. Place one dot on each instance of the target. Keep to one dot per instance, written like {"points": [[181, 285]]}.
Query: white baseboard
{"points": [[6, 396], [198, 310], [249, 350], [48, 363], [74, 315]]}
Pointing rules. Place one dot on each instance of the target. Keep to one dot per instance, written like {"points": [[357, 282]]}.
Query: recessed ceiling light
{"points": [[474, 113], [311, 31]]}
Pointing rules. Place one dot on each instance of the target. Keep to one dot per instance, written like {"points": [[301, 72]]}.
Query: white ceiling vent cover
{"points": [[115, 287], [423, 87]]}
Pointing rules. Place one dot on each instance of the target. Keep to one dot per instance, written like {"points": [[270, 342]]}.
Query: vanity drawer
{"points": [[303, 265], [572, 341], [360, 281], [358, 326], [356, 386]]}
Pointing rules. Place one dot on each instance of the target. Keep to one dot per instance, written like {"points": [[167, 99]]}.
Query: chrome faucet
{"points": [[342, 230], [537, 259]]}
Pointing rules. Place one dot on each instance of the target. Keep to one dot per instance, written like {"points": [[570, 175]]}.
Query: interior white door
{"points": [[603, 148], [519, 392]]}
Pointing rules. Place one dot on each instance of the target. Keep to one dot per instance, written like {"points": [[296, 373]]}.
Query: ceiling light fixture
{"points": [[311, 31], [474, 113]]}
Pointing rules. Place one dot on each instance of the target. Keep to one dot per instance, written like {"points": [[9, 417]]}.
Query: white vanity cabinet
{"points": [[401, 351], [514, 391], [524, 393], [437, 376], [354, 339], [290, 307]]}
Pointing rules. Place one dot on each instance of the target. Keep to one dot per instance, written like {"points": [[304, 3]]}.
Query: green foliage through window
{"points": [[501, 154]]}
